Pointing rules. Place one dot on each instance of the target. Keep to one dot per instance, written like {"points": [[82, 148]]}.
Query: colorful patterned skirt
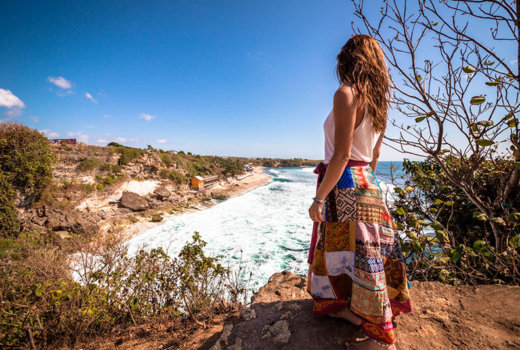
{"points": [[357, 262]]}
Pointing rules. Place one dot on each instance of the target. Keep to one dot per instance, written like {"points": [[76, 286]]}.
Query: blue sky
{"points": [[238, 78]]}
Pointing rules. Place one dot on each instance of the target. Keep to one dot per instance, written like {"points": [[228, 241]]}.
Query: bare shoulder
{"points": [[345, 96]]}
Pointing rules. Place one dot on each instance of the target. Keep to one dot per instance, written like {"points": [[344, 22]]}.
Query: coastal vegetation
{"points": [[43, 304], [447, 238], [63, 284], [457, 108]]}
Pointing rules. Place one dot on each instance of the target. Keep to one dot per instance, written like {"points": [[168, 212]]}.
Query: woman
{"points": [[356, 268]]}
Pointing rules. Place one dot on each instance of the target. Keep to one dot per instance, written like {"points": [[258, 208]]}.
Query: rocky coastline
{"points": [[136, 202]]}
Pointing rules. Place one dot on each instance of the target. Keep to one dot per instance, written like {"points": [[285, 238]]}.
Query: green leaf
{"points": [[401, 211], [419, 119], [508, 116], [435, 24], [477, 100], [408, 189], [398, 190], [455, 255], [514, 242], [441, 235], [438, 201], [499, 221], [419, 78], [468, 69], [436, 225], [484, 142], [448, 204], [488, 63], [514, 216], [512, 123], [486, 123], [492, 83], [478, 243], [479, 216]]}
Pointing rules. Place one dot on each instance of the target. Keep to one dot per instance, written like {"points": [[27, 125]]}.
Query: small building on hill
{"points": [[202, 182]]}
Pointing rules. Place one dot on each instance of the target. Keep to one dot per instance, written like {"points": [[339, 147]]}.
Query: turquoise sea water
{"points": [[267, 229]]}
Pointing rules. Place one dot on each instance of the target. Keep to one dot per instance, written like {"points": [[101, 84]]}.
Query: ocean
{"points": [[266, 230]]}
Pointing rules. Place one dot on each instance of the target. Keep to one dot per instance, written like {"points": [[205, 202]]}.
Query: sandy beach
{"points": [[234, 187]]}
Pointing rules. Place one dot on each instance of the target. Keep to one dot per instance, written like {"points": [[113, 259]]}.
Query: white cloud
{"points": [[49, 133], [60, 82], [101, 141], [89, 97], [162, 141], [35, 118], [125, 139], [146, 117], [9, 100], [78, 135]]}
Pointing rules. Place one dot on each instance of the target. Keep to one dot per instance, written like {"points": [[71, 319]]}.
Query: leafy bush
{"points": [[447, 237], [128, 154], [87, 164], [25, 160], [116, 169], [164, 173], [43, 305], [178, 178], [166, 159], [105, 167], [9, 223]]}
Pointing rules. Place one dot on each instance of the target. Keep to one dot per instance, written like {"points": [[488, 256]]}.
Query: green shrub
{"points": [[105, 167], [114, 144], [116, 169], [446, 237], [178, 178], [128, 154], [164, 173], [9, 223], [87, 164], [38, 293], [166, 159], [25, 160]]}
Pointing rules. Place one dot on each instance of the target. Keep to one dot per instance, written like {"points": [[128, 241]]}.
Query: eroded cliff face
{"points": [[444, 317], [91, 193]]}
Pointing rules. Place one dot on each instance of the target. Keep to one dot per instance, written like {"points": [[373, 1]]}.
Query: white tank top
{"points": [[365, 139]]}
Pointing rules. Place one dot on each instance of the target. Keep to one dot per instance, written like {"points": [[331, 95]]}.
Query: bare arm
{"points": [[344, 111], [377, 152]]}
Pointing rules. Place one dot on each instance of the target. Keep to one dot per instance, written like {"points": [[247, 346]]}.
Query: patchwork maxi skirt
{"points": [[355, 258]]}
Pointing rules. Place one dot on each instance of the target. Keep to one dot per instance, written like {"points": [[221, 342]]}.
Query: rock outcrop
{"points": [[133, 201], [444, 317], [57, 219], [162, 193]]}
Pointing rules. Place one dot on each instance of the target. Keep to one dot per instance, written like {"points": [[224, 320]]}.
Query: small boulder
{"points": [[162, 193], [133, 201], [157, 218]]}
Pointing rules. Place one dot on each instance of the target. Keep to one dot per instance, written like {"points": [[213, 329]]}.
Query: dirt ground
{"points": [[444, 317]]}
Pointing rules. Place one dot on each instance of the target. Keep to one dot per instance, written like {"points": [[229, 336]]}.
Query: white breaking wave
{"points": [[267, 229]]}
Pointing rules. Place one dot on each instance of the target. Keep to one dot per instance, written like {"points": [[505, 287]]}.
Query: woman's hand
{"points": [[315, 212]]}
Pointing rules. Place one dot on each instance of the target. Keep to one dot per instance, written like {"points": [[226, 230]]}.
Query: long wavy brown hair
{"points": [[361, 64]]}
